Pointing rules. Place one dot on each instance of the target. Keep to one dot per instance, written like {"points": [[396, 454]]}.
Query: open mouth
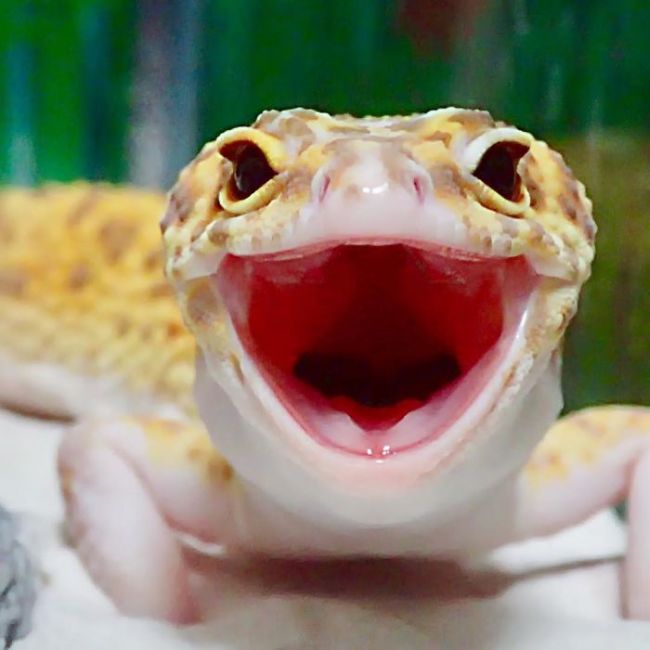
{"points": [[375, 349]]}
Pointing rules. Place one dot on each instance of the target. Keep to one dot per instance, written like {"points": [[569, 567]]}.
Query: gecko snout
{"points": [[372, 173]]}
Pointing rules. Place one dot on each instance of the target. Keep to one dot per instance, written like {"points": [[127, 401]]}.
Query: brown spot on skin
{"points": [[6, 232], [237, 368], [567, 314], [174, 330], [115, 237], [217, 237], [446, 180], [572, 187], [202, 306], [179, 207], [12, 282], [589, 229], [66, 482], [439, 136], [146, 333], [196, 454], [122, 326], [153, 260], [537, 233], [83, 208], [218, 470], [537, 194], [197, 230], [568, 207], [160, 290], [79, 277]]}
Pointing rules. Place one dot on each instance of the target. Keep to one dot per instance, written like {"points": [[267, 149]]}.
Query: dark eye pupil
{"points": [[498, 168], [252, 170]]}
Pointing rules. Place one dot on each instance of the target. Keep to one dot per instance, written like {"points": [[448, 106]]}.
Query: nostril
{"points": [[419, 187], [323, 188]]}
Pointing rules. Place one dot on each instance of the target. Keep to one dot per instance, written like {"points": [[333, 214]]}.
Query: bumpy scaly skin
{"points": [[555, 226], [81, 289], [152, 478]]}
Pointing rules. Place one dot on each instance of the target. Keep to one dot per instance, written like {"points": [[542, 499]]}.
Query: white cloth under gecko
{"points": [[520, 600]]}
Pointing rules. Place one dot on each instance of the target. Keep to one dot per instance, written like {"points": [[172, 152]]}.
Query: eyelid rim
{"points": [[276, 156], [473, 151], [492, 200], [471, 156], [271, 146]]}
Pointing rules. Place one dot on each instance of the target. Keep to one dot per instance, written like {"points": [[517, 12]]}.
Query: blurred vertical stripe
{"points": [[164, 125], [18, 161], [120, 89], [65, 83], [128, 90]]}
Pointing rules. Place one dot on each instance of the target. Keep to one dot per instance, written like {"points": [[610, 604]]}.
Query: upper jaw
{"points": [[391, 215]]}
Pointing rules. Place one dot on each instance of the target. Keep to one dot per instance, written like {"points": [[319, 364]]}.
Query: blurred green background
{"points": [[127, 90]]}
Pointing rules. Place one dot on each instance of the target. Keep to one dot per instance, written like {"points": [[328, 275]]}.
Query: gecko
{"points": [[349, 345]]}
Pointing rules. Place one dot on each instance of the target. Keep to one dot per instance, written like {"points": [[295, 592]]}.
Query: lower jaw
{"points": [[338, 422], [469, 398]]}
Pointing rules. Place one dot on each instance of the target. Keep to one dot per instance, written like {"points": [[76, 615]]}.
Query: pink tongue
{"points": [[372, 418]]}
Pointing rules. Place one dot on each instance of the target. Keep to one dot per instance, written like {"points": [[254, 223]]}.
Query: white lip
{"points": [[513, 368], [297, 404]]}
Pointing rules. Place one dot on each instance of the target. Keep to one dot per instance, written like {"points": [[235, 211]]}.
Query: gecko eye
{"points": [[252, 170], [258, 160], [498, 168]]}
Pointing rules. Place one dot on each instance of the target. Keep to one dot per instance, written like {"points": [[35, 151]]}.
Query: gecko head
{"points": [[380, 300]]}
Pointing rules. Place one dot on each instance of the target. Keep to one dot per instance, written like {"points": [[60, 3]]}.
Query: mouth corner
{"points": [[376, 349]]}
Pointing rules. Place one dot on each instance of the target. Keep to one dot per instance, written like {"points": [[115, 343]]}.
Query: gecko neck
{"points": [[269, 472]]}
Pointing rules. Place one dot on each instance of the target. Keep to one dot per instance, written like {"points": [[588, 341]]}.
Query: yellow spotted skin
{"points": [[81, 271], [81, 287], [205, 220], [583, 439], [174, 443]]}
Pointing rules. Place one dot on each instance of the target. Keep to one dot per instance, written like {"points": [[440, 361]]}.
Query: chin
{"points": [[380, 379]]}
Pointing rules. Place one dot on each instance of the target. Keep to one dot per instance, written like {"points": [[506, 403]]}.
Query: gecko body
{"points": [[379, 306]]}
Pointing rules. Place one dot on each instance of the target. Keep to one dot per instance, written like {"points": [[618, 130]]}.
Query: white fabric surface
{"points": [[555, 593]]}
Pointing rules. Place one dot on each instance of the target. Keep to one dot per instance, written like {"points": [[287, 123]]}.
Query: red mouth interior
{"points": [[374, 332]]}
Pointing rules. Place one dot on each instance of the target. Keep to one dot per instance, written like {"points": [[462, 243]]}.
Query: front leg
{"points": [[130, 487], [588, 461]]}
